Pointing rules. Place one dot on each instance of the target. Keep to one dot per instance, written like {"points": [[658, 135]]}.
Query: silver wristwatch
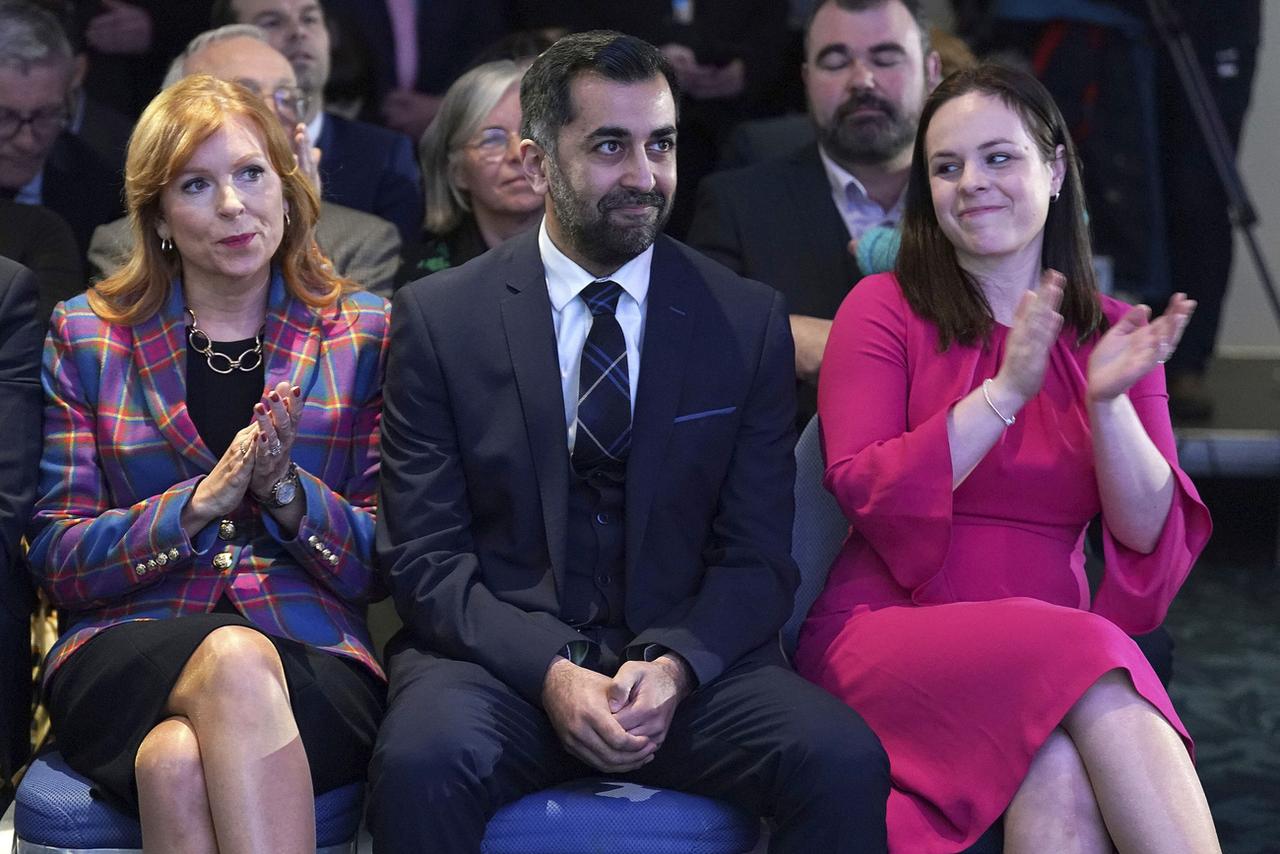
{"points": [[284, 490]]}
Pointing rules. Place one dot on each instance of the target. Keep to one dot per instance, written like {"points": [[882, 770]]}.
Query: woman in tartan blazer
{"points": [[207, 493]]}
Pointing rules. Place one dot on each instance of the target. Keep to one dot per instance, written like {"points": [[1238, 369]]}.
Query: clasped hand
{"points": [[257, 457], [614, 725]]}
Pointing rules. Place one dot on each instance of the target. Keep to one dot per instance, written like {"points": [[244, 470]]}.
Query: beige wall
{"points": [[1248, 326]]}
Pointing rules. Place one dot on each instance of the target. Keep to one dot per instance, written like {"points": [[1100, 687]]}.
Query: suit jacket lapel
{"points": [[668, 330], [811, 195], [291, 340], [531, 344], [160, 355], [290, 343]]}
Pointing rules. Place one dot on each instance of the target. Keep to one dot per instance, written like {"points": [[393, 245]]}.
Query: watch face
{"points": [[285, 492]]}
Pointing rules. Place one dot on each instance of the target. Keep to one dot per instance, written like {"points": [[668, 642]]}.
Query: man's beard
{"points": [[587, 226], [870, 139]]}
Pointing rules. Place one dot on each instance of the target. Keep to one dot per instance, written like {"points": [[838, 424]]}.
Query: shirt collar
{"points": [[845, 185], [565, 279], [31, 193], [315, 127]]}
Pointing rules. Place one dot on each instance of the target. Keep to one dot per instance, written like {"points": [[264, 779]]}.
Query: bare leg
{"points": [[1054, 808], [1142, 777], [233, 692], [171, 796]]}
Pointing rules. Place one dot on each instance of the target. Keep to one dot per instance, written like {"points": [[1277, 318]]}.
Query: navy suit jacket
{"points": [[21, 401], [371, 169], [475, 466], [82, 188]]}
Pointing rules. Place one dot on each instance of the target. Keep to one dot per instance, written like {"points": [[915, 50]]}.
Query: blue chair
{"points": [[55, 812]]}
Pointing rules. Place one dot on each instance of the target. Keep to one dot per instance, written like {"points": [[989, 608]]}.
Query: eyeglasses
{"points": [[44, 123], [289, 102], [493, 143]]}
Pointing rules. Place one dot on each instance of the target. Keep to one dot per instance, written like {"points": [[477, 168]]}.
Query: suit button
{"points": [[602, 518], [222, 560], [603, 580], [226, 529]]}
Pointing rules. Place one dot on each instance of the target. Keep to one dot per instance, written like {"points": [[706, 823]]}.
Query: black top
{"points": [[221, 405], [433, 253]]}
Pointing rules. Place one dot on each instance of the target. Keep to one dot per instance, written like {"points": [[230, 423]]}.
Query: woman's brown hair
{"points": [[173, 126], [929, 273]]}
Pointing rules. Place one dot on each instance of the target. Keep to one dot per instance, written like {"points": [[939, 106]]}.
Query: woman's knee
{"points": [[168, 763], [235, 665]]}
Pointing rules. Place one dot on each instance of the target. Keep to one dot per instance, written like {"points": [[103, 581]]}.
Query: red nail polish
{"points": [[275, 398], [262, 437]]}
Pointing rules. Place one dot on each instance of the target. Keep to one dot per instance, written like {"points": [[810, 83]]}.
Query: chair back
{"points": [[820, 529]]}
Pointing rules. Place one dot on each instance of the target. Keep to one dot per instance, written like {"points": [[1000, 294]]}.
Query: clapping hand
{"points": [[1036, 324], [223, 489], [1134, 345], [275, 422]]}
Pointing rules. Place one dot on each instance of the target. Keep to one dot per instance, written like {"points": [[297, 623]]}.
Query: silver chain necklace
{"points": [[249, 360]]}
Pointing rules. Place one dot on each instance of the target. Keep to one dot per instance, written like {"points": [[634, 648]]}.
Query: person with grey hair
{"points": [[362, 247], [41, 163], [366, 167], [476, 193]]}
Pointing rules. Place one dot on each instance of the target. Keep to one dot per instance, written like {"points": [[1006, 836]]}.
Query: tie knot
{"points": [[602, 297]]}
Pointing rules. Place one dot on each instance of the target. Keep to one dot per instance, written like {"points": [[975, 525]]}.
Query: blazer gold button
{"points": [[173, 554], [313, 539], [162, 558], [318, 546], [141, 569], [151, 564], [226, 529], [222, 560], [333, 559]]}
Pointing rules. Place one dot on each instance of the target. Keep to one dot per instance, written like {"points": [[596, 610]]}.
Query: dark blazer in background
{"points": [[362, 247], [450, 35], [81, 188], [371, 169], [472, 524], [21, 403], [38, 239], [776, 222]]}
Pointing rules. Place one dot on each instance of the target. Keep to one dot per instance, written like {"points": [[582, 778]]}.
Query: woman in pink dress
{"points": [[979, 408]]}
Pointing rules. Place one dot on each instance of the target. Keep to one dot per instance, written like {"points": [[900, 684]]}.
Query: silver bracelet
{"points": [[1007, 419]]}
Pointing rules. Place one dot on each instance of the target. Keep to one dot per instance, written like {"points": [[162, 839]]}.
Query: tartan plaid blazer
{"points": [[122, 458]]}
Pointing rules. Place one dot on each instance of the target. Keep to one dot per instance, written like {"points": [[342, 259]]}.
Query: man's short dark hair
{"points": [[913, 7], [545, 98]]}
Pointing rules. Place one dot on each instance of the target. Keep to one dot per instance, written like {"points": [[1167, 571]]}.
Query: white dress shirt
{"points": [[565, 280], [858, 210]]}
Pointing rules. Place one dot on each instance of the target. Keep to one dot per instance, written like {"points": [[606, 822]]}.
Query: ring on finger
{"points": [[244, 448], [273, 450]]}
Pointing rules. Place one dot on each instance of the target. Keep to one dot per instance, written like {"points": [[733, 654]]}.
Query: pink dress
{"points": [[959, 623]]}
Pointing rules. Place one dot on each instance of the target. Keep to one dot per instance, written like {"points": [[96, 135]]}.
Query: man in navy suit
{"points": [[41, 162], [586, 505], [362, 166]]}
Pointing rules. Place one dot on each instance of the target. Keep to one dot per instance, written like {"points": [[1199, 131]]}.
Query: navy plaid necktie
{"points": [[604, 386]]}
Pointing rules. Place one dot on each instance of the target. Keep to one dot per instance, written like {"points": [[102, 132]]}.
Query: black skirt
{"points": [[109, 694]]}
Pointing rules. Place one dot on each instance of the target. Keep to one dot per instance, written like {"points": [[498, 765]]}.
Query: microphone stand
{"points": [[1169, 27]]}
